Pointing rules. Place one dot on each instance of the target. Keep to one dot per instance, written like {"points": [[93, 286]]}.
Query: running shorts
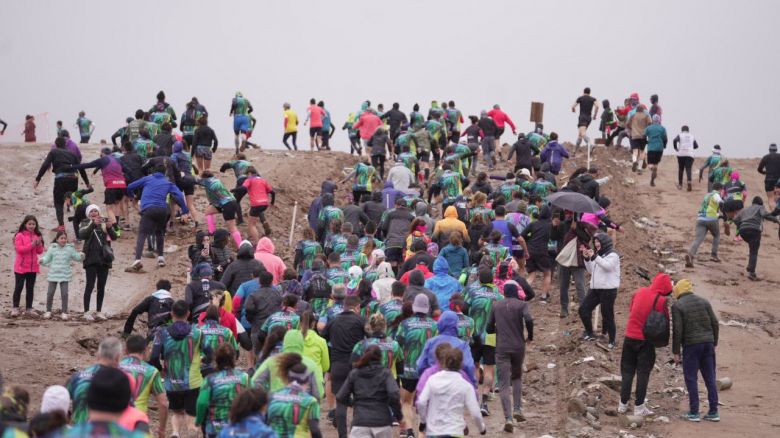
{"points": [[499, 132], [112, 196], [654, 157], [241, 124], [770, 185], [584, 121], [424, 156], [538, 263], [638, 143], [203, 152], [485, 353], [314, 131], [410, 385], [228, 210], [183, 401], [187, 185], [394, 254], [258, 212], [732, 205]]}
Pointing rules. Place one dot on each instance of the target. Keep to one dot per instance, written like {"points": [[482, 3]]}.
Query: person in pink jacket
{"points": [[367, 124], [28, 243], [264, 252]]}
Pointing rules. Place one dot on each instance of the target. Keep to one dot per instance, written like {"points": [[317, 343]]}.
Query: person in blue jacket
{"points": [[448, 332], [154, 212], [442, 283], [554, 153]]}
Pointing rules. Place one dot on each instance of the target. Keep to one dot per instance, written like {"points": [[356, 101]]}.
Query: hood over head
{"points": [[179, 330], [661, 284], [682, 287], [451, 212], [265, 245], [245, 250], [606, 243], [328, 187], [327, 199], [293, 342], [421, 209], [221, 237], [178, 147], [441, 266], [448, 323]]}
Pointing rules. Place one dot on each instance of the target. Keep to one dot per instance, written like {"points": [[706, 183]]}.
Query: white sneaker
{"points": [[88, 317], [622, 408], [15, 312], [100, 316], [161, 261], [64, 316], [46, 315], [642, 410]]}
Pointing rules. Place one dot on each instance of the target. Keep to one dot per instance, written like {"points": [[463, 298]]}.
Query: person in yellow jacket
{"points": [[290, 127]]}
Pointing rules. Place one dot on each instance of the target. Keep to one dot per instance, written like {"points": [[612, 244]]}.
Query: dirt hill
{"points": [[566, 392]]}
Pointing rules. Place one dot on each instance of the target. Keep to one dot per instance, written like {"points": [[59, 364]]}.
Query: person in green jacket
{"points": [[656, 143], [314, 346], [218, 391], [59, 258], [269, 378]]}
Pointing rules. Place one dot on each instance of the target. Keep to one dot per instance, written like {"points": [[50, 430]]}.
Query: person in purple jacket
{"points": [[113, 180], [554, 153], [70, 145]]}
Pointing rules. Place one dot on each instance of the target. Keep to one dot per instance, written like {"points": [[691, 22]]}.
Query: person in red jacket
{"points": [[638, 357], [501, 119], [28, 243]]}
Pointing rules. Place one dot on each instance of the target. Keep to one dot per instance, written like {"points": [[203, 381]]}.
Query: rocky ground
{"points": [[570, 386]]}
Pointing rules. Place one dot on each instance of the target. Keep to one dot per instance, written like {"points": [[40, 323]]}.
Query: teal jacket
{"points": [[58, 259], [656, 138]]}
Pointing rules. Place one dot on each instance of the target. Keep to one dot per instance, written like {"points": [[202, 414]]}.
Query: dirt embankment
{"points": [[566, 392]]}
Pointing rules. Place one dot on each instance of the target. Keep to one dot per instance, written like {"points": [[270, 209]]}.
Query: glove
{"points": [[422, 427]]}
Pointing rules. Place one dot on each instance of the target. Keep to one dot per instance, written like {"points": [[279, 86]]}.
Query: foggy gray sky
{"points": [[713, 63]]}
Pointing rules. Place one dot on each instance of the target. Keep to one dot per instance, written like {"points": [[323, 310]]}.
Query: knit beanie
{"points": [[109, 391], [681, 287]]}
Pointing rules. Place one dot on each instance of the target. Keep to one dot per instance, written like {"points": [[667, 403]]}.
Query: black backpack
{"points": [[656, 329]]}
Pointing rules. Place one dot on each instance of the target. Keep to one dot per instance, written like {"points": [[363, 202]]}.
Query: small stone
{"points": [[613, 382], [724, 383], [549, 348], [631, 421], [593, 412], [610, 412], [577, 407], [662, 419]]}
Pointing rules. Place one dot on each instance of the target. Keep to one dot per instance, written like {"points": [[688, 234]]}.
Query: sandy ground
{"points": [[659, 224]]}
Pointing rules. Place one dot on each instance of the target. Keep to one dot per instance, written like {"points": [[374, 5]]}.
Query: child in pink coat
{"points": [[28, 243]]}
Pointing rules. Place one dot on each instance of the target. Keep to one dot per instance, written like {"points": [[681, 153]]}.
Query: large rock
{"points": [[631, 421], [724, 383], [613, 382], [577, 407]]}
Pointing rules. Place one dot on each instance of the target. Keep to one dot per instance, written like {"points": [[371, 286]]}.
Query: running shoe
{"points": [[688, 261], [484, 409], [714, 259], [508, 426], [88, 317], [137, 266], [712, 416], [100, 316], [161, 261], [634, 166], [622, 408], [642, 410], [752, 276], [690, 416], [588, 337], [518, 415], [46, 315], [15, 312], [64, 316], [611, 345]]}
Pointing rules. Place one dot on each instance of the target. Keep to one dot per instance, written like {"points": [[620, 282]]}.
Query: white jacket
{"points": [[441, 403], [604, 271]]}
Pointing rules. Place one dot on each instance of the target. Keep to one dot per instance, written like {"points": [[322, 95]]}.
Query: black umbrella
{"points": [[573, 201]]}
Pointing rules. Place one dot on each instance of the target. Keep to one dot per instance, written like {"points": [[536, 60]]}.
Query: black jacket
{"points": [[589, 186], [164, 142], [524, 153], [488, 126], [420, 258], [262, 304], [342, 333], [157, 305], [205, 136], [374, 211], [241, 269], [132, 166], [373, 389], [61, 160], [395, 119], [93, 246], [198, 295]]}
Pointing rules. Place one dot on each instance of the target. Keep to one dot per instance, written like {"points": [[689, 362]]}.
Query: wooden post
{"points": [[292, 224]]}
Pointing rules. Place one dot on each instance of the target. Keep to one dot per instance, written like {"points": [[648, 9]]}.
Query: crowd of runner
{"points": [[407, 299]]}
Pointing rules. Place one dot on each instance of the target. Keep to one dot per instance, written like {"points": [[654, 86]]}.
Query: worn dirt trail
{"points": [[39, 353]]}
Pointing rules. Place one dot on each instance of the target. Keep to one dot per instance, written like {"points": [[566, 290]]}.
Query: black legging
{"points": [[613, 134], [99, 273], [378, 161], [63, 185], [153, 223], [22, 280], [357, 194], [294, 136], [684, 163], [605, 297]]}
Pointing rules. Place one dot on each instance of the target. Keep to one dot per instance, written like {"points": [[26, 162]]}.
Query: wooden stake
{"points": [[292, 224]]}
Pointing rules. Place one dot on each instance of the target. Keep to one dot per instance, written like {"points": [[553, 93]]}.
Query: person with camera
{"points": [[97, 232]]}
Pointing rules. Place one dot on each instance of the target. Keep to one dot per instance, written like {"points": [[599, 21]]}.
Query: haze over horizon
{"points": [[712, 63]]}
